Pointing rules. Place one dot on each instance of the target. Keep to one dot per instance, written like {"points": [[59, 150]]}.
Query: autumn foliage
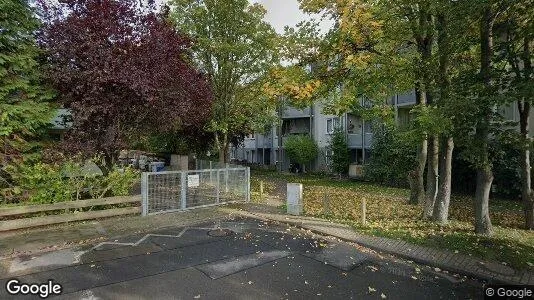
{"points": [[123, 71]]}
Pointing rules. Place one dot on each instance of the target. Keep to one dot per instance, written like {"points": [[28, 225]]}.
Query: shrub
{"points": [[49, 183], [301, 149], [393, 156], [44, 183], [340, 152]]}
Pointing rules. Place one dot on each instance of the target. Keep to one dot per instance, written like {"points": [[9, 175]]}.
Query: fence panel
{"points": [[180, 190]]}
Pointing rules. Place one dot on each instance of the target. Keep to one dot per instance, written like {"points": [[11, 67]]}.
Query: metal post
{"points": [[144, 193], [261, 190], [184, 189], [226, 179], [211, 179], [247, 175], [218, 188], [364, 212]]}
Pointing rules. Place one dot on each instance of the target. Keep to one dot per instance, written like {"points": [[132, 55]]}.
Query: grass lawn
{"points": [[389, 215]]}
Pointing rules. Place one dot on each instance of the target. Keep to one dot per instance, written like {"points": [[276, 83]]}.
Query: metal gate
{"points": [[181, 190]]}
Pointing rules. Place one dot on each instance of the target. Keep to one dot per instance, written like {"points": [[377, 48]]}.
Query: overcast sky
{"points": [[281, 13]]}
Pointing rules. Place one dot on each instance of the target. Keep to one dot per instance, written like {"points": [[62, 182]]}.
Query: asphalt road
{"points": [[248, 259]]}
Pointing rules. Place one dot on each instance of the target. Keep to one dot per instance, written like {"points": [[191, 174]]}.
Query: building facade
{"points": [[268, 148]]}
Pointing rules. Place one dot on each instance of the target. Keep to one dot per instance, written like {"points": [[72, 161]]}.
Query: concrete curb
{"points": [[427, 256]]}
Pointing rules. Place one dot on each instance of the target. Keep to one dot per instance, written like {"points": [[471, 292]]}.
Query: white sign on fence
{"points": [[193, 180]]}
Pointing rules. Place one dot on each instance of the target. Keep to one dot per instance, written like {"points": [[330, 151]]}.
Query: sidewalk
{"points": [[458, 263], [61, 236]]}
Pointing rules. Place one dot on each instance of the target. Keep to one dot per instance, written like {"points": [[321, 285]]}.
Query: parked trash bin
{"points": [[157, 166]]}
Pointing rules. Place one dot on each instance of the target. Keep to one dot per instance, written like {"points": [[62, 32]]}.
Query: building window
{"points": [[233, 153], [328, 153], [354, 124], [368, 128], [331, 125]]}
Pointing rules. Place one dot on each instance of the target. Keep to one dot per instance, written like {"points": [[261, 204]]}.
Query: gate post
{"points": [[211, 172], [247, 175], [226, 178], [218, 186], [183, 184], [144, 193]]}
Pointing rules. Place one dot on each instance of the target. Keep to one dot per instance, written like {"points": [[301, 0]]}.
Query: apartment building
{"points": [[268, 148]]}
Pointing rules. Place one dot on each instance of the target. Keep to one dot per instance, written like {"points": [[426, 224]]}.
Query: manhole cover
{"points": [[220, 232]]}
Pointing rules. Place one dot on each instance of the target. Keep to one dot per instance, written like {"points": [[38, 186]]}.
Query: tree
{"points": [[23, 98], [382, 48], [340, 152], [516, 49], [392, 155], [453, 43], [301, 149], [122, 72], [236, 48]]}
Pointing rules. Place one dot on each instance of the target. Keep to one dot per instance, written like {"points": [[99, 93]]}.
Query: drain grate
{"points": [[220, 232]]}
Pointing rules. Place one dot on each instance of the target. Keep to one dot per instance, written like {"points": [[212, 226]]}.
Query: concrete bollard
{"points": [[326, 204], [261, 190], [294, 198], [364, 211]]}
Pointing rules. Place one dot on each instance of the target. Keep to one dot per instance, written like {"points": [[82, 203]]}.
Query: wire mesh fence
{"points": [[202, 164], [181, 190]]}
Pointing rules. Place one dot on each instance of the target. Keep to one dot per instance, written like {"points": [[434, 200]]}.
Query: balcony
{"points": [[291, 112], [357, 140], [259, 141], [406, 99]]}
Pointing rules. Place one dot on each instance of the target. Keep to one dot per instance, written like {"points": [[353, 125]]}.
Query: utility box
{"points": [[294, 198], [179, 162]]}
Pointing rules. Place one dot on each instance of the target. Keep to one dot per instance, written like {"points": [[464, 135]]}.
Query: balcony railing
{"points": [[356, 140], [290, 112], [406, 99]]}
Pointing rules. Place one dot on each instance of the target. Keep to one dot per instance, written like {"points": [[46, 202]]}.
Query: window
{"points": [[354, 124], [368, 127], [331, 125], [328, 153]]}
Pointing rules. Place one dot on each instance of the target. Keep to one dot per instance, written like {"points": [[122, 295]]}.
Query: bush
{"points": [[49, 183], [301, 149], [340, 152], [393, 156], [43, 183]]}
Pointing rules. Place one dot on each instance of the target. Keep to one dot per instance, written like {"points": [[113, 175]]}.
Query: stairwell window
{"points": [[331, 125]]}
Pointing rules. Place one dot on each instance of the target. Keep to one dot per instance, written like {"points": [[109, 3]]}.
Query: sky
{"points": [[281, 13]]}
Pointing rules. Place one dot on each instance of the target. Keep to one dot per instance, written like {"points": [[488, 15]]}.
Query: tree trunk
{"points": [[482, 131], [423, 36], [526, 190], [432, 179], [441, 208], [527, 194], [222, 147], [416, 176], [440, 212], [417, 186], [482, 218]]}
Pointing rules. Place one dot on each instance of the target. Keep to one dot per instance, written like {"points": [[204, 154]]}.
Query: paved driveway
{"points": [[247, 259]]}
